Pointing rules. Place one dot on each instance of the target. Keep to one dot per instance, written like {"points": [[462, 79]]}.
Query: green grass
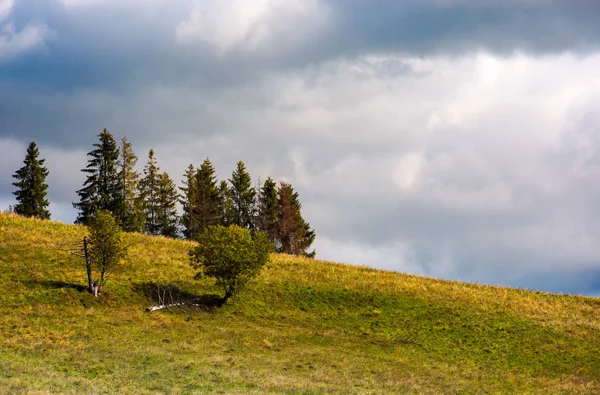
{"points": [[305, 326]]}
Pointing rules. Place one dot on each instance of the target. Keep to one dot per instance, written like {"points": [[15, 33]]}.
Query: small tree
{"points": [[232, 255], [106, 247], [31, 186]]}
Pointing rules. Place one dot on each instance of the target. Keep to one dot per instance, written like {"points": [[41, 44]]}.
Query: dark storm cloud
{"points": [[123, 47], [457, 26]]}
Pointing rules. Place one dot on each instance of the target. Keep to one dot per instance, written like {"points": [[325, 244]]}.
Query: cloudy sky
{"points": [[450, 138]]}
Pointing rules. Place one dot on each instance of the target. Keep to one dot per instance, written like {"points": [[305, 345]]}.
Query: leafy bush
{"points": [[232, 255]]}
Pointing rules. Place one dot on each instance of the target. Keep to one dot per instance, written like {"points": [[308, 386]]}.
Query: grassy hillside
{"points": [[303, 327]]}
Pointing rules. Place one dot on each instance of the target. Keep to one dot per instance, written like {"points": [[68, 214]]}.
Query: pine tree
{"points": [[131, 214], [166, 215], [268, 209], [295, 234], [31, 186], [188, 199], [102, 188], [206, 207], [149, 192], [307, 239], [225, 204], [242, 197]]}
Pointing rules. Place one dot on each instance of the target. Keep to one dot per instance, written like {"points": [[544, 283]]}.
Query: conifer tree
{"points": [[268, 209], [295, 235], [166, 214], [225, 204], [188, 199], [206, 207], [131, 214], [149, 192], [242, 197], [31, 186], [307, 239], [102, 188]]}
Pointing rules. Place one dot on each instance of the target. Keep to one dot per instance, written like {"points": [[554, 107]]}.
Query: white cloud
{"points": [[398, 256], [250, 25], [407, 171], [87, 3], [483, 182], [13, 42], [5, 8]]}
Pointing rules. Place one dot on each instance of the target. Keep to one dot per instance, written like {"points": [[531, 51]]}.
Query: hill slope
{"points": [[303, 327]]}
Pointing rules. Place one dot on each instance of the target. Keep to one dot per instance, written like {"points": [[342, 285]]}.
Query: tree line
{"points": [[147, 201]]}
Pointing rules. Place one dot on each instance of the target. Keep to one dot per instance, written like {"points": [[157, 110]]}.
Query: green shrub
{"points": [[232, 255]]}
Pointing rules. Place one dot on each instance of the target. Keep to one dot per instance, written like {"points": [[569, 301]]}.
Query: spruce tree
{"points": [[295, 235], [268, 209], [102, 189], [131, 214], [242, 197], [225, 204], [307, 239], [31, 186], [166, 215], [188, 199], [149, 192], [206, 207]]}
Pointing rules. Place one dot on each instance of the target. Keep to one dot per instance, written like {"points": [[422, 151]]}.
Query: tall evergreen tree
{"points": [[268, 209], [206, 207], [295, 234], [131, 215], [166, 215], [242, 197], [31, 186], [188, 200], [102, 188], [149, 192], [225, 204]]}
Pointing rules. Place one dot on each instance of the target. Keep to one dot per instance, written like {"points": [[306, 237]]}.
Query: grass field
{"points": [[305, 326]]}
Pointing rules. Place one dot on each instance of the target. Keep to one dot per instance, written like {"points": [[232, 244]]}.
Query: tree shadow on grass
{"points": [[170, 294], [54, 284]]}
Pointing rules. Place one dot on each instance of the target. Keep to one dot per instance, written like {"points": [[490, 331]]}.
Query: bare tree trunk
{"points": [[228, 294], [88, 265], [101, 282]]}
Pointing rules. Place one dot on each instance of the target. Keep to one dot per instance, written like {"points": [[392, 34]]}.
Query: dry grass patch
{"points": [[305, 326]]}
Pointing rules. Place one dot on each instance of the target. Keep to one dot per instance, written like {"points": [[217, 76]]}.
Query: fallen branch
{"points": [[168, 306], [170, 297], [181, 304]]}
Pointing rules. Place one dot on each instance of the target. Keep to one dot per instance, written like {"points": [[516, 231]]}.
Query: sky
{"points": [[456, 139]]}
